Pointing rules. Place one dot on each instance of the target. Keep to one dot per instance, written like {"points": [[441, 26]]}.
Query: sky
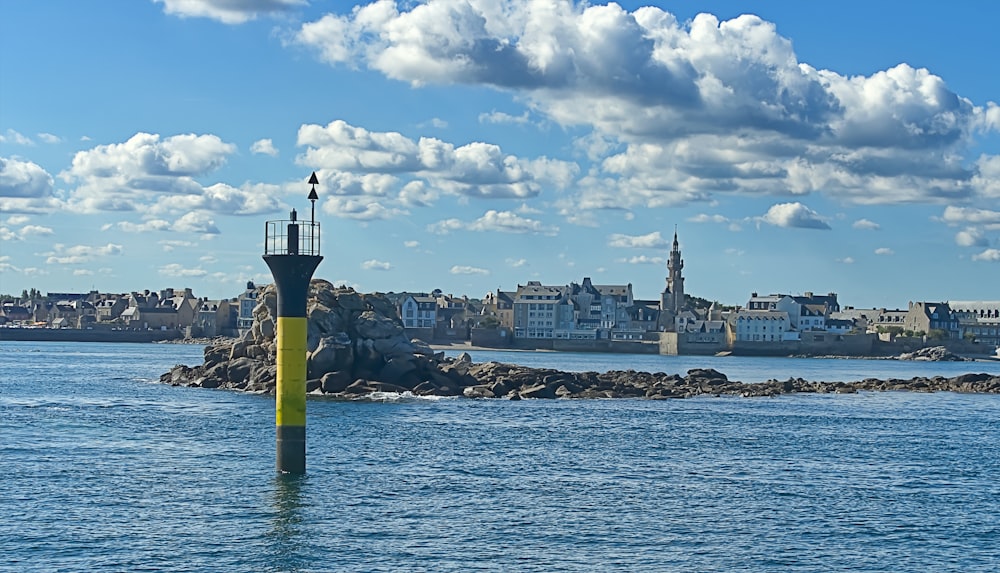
{"points": [[469, 145]]}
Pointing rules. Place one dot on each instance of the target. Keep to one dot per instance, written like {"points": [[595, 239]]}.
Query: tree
{"points": [[937, 334]]}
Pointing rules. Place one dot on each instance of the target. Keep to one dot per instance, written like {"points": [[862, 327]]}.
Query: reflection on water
{"points": [[285, 535]]}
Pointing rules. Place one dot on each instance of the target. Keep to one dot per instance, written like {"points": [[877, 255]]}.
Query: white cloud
{"points": [[14, 137], [866, 224], [411, 244], [144, 227], [196, 223], [968, 215], [476, 169], [648, 241], [376, 265], [516, 263], [170, 245], [125, 176], [228, 11], [49, 138], [362, 209], [989, 255], [23, 179], [496, 221], [37, 230], [179, 270], [846, 260], [692, 122], [884, 251], [643, 260], [467, 270], [704, 218], [265, 147], [18, 219], [971, 237], [794, 215], [82, 272], [77, 254], [501, 117]]}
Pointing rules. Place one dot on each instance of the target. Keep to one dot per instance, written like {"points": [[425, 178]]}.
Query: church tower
{"points": [[672, 299]]}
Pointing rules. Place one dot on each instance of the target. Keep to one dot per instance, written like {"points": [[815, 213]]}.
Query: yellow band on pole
{"points": [[290, 394]]}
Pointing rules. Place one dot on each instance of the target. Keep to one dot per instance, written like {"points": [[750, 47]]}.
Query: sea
{"points": [[104, 469]]}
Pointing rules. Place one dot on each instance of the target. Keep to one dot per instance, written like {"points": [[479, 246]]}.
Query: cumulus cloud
{"points": [[77, 254], [643, 260], [360, 208], [37, 230], [989, 255], [866, 224], [125, 176], [23, 179], [411, 244], [200, 223], [499, 117], [12, 136], [969, 215], [467, 270], [649, 241], [971, 237], [228, 11], [704, 218], [348, 154], [846, 260], [884, 251], [701, 107], [264, 147], [24, 232], [516, 263], [498, 221], [794, 215], [179, 270], [376, 265]]}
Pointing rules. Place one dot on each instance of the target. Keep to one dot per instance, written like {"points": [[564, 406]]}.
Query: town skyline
{"points": [[855, 151]]}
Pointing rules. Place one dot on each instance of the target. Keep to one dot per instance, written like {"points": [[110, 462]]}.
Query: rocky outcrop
{"points": [[933, 354], [356, 347]]}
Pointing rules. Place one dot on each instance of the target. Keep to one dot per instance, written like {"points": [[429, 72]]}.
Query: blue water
{"points": [[104, 470]]}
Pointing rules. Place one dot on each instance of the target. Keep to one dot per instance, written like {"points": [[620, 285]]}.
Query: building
{"points": [[761, 326], [538, 308], [215, 318], [979, 320], [672, 299], [418, 311], [928, 318], [246, 302]]}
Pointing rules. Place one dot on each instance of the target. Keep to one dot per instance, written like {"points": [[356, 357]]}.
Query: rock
{"points": [[239, 369], [932, 353], [335, 382], [333, 353], [357, 346], [373, 326]]}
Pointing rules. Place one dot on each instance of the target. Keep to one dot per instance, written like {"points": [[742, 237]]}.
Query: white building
{"points": [[762, 326], [419, 311]]}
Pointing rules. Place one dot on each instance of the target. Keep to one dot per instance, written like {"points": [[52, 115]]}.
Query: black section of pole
{"points": [[291, 277]]}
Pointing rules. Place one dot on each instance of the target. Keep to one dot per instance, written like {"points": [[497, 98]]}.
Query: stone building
{"points": [[672, 299]]}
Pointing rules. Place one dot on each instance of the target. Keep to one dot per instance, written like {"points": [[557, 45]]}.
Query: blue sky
{"points": [[473, 144]]}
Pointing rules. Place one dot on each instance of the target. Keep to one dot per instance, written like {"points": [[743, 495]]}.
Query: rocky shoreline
{"points": [[357, 348]]}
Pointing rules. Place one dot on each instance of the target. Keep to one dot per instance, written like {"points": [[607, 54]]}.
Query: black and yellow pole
{"points": [[291, 251]]}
